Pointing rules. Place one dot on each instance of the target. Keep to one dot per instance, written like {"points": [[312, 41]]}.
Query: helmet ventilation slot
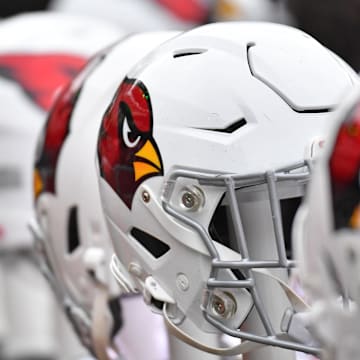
{"points": [[73, 230], [188, 52], [156, 247], [236, 125]]}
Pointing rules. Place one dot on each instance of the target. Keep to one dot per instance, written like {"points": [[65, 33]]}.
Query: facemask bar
{"points": [[230, 183]]}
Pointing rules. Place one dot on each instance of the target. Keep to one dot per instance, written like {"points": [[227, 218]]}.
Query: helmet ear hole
{"points": [[155, 246], [73, 230]]}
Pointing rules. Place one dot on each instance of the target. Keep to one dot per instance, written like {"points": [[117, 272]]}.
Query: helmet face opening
{"points": [[253, 220], [246, 201], [289, 208], [254, 207]]}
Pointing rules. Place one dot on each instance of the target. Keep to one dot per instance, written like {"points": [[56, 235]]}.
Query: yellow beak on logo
{"points": [[147, 161], [38, 184]]}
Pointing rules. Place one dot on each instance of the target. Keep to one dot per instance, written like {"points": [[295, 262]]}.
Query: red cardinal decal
{"points": [[187, 10], [127, 151], [344, 167], [57, 129], [40, 75]]}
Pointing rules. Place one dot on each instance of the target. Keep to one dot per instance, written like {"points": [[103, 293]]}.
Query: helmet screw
{"points": [[192, 198], [188, 200], [218, 306], [145, 196], [223, 305]]}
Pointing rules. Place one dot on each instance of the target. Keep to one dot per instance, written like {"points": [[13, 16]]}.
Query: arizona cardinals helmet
{"points": [[326, 236], [326, 226], [69, 225], [202, 158], [38, 54]]}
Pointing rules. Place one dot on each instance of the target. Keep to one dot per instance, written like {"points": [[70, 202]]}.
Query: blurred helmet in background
{"points": [[39, 53], [70, 227], [329, 220], [149, 15], [326, 237], [140, 15]]}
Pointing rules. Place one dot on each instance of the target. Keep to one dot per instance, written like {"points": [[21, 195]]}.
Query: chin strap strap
{"points": [[246, 346], [297, 303], [101, 323], [242, 348], [101, 326]]}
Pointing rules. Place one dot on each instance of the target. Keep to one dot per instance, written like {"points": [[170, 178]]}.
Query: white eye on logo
{"points": [[126, 132]]}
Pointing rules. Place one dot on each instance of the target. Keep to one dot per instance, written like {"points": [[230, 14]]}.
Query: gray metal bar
{"points": [[200, 229], [218, 179], [259, 305], [235, 214], [240, 237], [292, 176], [247, 264], [294, 166], [276, 218], [266, 340], [231, 182], [230, 283]]}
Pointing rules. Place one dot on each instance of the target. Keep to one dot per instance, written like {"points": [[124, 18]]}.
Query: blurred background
{"points": [[335, 23], [31, 325]]}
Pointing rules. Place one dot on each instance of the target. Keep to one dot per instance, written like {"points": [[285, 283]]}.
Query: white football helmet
{"points": [[38, 53], [202, 160], [326, 226], [326, 237], [69, 226]]}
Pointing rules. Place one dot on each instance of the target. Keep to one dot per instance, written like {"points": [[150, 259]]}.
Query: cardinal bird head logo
{"points": [[57, 127], [128, 154], [40, 75], [344, 170]]}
